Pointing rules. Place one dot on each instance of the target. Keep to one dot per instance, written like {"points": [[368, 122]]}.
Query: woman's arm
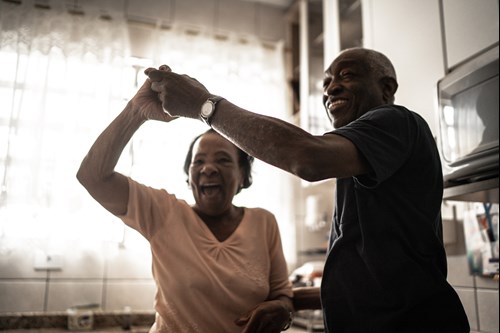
{"points": [[306, 298], [96, 172], [268, 317]]}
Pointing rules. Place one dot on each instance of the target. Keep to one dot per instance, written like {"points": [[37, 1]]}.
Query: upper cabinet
{"points": [[316, 31], [468, 28]]}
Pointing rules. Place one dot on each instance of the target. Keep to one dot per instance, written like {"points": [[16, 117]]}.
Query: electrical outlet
{"points": [[44, 261]]}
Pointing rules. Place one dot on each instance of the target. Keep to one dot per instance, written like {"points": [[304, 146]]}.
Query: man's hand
{"points": [[180, 95], [267, 317]]}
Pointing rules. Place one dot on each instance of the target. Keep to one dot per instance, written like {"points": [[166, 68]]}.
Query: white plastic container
{"points": [[81, 318]]}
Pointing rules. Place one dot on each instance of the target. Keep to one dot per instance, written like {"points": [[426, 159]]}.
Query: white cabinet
{"points": [[470, 26], [409, 33]]}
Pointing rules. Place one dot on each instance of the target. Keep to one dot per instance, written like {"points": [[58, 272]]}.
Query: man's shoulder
{"points": [[389, 110]]}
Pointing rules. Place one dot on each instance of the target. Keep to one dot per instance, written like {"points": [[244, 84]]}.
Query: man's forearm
{"points": [[259, 136]]}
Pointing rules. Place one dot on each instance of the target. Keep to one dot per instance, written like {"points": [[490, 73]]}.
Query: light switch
{"points": [[44, 261]]}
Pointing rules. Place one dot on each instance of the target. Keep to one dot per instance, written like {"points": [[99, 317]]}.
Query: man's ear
{"points": [[389, 88]]}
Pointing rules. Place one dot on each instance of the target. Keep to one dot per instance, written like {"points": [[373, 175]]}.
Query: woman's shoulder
{"points": [[258, 211], [260, 215]]}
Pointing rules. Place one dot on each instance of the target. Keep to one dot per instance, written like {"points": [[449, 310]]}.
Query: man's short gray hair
{"points": [[378, 62]]}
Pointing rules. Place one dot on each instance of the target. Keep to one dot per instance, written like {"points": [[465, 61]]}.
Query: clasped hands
{"points": [[179, 95]]}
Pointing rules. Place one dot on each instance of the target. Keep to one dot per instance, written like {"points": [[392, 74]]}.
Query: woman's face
{"points": [[214, 174]]}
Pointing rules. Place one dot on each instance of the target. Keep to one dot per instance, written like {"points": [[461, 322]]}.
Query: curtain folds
{"points": [[64, 76]]}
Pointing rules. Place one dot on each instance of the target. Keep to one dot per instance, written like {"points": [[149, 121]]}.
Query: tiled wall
{"points": [[103, 273], [479, 294]]}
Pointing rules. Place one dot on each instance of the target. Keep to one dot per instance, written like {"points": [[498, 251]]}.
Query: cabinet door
{"points": [[470, 27]]}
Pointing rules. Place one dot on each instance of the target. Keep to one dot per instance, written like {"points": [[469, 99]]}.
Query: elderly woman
{"points": [[217, 267]]}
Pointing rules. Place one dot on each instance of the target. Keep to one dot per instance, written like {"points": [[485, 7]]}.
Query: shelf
{"points": [[482, 191]]}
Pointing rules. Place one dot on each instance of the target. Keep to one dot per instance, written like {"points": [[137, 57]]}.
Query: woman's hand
{"points": [[267, 317], [147, 102]]}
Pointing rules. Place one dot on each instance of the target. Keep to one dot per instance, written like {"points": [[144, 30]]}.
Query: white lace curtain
{"points": [[63, 77]]}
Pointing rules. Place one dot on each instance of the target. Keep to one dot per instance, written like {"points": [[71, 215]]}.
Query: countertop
{"points": [[57, 322]]}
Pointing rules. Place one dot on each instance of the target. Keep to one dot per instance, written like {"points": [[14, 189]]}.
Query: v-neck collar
{"points": [[228, 238]]}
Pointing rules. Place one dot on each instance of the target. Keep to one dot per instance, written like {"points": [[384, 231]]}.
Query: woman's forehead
{"points": [[214, 142]]}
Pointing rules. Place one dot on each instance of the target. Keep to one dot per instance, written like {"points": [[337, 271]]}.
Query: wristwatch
{"points": [[289, 323], [208, 108]]}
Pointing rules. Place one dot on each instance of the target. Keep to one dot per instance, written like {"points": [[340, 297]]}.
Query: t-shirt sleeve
{"points": [[383, 137], [147, 208]]}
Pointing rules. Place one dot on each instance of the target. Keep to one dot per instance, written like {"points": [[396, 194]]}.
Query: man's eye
{"points": [[345, 74]]}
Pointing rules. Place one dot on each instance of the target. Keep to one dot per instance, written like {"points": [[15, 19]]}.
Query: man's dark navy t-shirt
{"points": [[386, 266]]}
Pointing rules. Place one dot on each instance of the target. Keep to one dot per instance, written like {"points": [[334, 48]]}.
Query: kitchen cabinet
{"points": [[468, 28], [481, 191], [305, 64], [316, 31]]}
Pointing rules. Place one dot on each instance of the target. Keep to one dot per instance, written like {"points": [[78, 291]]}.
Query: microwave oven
{"points": [[468, 120]]}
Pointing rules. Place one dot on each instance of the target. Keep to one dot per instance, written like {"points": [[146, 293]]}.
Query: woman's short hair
{"points": [[245, 161]]}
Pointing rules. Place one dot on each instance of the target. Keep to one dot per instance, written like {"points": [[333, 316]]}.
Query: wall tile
{"points": [[488, 310], [22, 296], [458, 272], [65, 294], [17, 258], [81, 260], [484, 282], [132, 261], [468, 298], [138, 295]]}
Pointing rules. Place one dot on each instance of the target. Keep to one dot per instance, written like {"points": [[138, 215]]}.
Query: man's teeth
{"points": [[336, 103]]}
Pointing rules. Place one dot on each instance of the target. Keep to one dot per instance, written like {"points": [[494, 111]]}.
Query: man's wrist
{"points": [[208, 108]]}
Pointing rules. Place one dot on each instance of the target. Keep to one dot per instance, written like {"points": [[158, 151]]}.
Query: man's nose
{"points": [[333, 88]]}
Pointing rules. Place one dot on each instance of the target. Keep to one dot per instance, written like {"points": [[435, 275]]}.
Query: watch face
{"points": [[206, 109]]}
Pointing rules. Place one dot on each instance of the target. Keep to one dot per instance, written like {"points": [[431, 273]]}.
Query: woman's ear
{"points": [[389, 88]]}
